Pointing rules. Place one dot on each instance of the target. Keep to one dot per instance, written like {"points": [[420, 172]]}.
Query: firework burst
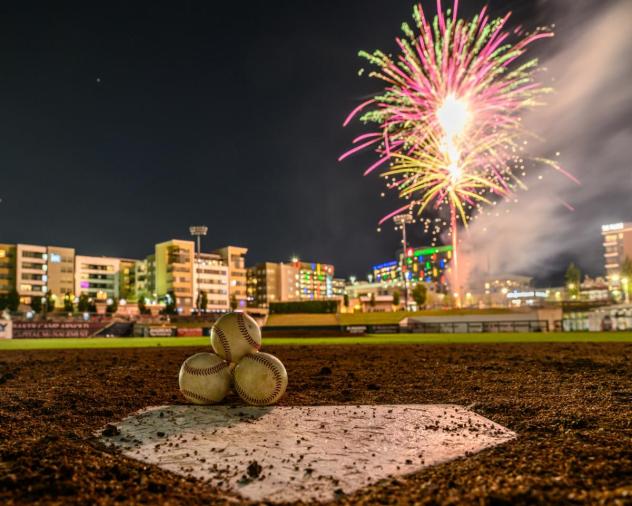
{"points": [[449, 118]]}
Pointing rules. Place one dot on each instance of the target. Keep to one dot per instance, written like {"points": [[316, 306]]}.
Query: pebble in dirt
{"points": [[304, 453]]}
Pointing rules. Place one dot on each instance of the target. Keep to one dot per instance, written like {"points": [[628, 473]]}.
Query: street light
{"points": [[197, 231], [402, 220]]}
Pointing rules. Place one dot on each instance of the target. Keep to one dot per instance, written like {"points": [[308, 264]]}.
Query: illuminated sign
{"points": [[611, 227], [526, 295]]}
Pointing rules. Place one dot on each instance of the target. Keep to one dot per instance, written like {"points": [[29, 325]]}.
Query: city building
{"points": [[97, 277], [61, 273], [174, 272], [370, 296], [145, 277], [594, 289], [31, 272], [211, 277], [7, 268], [272, 282], [315, 280], [127, 279], [427, 264], [617, 243], [286, 282], [235, 259], [339, 286]]}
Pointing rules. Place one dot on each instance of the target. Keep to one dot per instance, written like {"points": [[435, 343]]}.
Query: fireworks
{"points": [[449, 134]]}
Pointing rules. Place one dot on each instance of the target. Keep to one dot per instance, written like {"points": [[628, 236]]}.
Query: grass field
{"points": [[152, 342]]}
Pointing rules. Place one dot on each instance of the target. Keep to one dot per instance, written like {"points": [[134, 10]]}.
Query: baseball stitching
{"points": [[224, 342], [205, 371], [197, 397], [244, 331], [277, 378]]}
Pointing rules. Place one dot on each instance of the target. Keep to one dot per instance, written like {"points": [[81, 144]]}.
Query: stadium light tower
{"points": [[402, 220], [197, 231]]}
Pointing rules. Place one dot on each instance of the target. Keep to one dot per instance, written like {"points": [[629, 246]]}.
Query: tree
{"points": [[84, 305], [13, 300], [396, 298], [69, 303], [420, 294], [170, 303], [202, 301], [573, 279], [49, 302], [345, 300], [142, 305], [112, 308], [233, 302], [36, 304]]}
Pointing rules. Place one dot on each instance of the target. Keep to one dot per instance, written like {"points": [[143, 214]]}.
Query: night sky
{"points": [[122, 123]]}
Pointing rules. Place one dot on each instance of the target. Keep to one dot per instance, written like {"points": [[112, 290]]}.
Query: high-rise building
{"points": [[97, 277], [35, 271], [174, 272], [145, 277], [31, 272], [61, 273], [285, 282], [7, 268], [315, 280], [272, 282], [211, 277], [127, 278], [235, 259], [617, 243], [428, 264]]}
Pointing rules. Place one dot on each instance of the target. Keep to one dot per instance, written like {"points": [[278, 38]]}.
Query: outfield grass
{"points": [[152, 342]]}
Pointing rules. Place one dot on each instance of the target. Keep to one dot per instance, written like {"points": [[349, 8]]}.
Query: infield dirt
{"points": [[571, 405]]}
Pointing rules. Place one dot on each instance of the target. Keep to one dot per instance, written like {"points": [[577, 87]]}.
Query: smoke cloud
{"points": [[588, 121]]}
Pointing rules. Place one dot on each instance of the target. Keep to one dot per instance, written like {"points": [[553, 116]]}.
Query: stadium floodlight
{"points": [[197, 231], [402, 220]]}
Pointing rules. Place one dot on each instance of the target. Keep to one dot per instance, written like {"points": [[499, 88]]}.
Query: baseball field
{"points": [[569, 400]]}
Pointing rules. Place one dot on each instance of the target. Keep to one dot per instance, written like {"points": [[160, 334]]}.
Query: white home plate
{"points": [[284, 454]]}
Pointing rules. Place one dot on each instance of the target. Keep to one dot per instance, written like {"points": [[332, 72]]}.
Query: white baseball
{"points": [[260, 379], [204, 378], [235, 335]]}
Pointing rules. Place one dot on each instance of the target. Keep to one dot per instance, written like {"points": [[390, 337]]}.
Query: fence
{"points": [[478, 327]]}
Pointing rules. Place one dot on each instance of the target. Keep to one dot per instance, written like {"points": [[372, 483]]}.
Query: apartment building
{"points": [[270, 282], [211, 277], [31, 268], [7, 268], [61, 273], [617, 244], [127, 278], [235, 259], [174, 272], [97, 277]]}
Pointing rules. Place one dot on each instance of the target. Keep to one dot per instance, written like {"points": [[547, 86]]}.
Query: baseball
{"points": [[204, 378], [235, 335], [260, 379]]}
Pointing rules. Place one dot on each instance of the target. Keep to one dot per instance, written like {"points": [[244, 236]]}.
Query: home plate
{"points": [[308, 453]]}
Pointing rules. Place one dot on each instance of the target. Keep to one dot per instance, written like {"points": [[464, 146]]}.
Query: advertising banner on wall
{"points": [[190, 332], [159, 331], [52, 329]]}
